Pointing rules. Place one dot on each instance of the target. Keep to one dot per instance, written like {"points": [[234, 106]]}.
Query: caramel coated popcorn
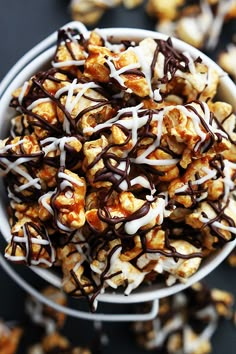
{"points": [[120, 165], [44, 315], [227, 58], [9, 338], [186, 321], [199, 23], [90, 11], [56, 343]]}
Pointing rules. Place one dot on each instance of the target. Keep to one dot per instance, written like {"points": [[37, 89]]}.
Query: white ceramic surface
{"points": [[31, 63]]}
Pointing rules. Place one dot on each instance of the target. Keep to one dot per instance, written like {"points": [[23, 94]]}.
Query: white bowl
{"points": [[40, 56]]}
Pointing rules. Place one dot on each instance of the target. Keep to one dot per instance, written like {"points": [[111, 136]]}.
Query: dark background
{"points": [[23, 23]]}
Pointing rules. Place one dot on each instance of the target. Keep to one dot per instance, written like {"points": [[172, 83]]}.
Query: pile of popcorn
{"points": [[198, 23], [185, 324], [90, 11], [120, 166], [186, 321], [50, 339]]}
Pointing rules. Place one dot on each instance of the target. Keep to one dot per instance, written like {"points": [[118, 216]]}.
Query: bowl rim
{"points": [[42, 53]]}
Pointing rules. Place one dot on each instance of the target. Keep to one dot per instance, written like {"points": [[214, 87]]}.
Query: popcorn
{"points": [[232, 259], [198, 24], [120, 168], [186, 321], [30, 244], [73, 261], [44, 315], [226, 60], [90, 11], [160, 9], [56, 342], [9, 338]]}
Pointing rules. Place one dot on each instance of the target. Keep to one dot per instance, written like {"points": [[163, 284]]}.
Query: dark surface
{"points": [[23, 23]]}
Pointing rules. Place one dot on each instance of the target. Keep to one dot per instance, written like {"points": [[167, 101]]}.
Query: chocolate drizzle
{"points": [[136, 158], [221, 217], [174, 60], [29, 255]]}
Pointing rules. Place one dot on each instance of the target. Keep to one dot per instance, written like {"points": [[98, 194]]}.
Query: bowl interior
{"points": [[227, 92]]}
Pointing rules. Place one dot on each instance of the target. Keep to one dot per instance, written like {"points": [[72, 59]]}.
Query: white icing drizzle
{"points": [[14, 166], [12, 196], [197, 123], [22, 92], [160, 64], [115, 119], [37, 102], [130, 274], [63, 227], [191, 345], [34, 240], [191, 64], [55, 144], [27, 185], [82, 245], [209, 175], [61, 64], [157, 211], [217, 24], [72, 100], [218, 224], [161, 333], [70, 179], [156, 95], [4, 330], [135, 123], [34, 308], [145, 66], [115, 48], [143, 182], [10, 146], [44, 201], [115, 73], [227, 180]]}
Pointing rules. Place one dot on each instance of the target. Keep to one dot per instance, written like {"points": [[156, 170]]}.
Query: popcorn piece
{"points": [[44, 315], [73, 261], [185, 323], [199, 25], [160, 9], [103, 65], [227, 59], [66, 203], [216, 220], [89, 12], [55, 342], [130, 4], [9, 338], [22, 175], [194, 25], [232, 258], [87, 111], [113, 271], [224, 302], [30, 244], [180, 269]]}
